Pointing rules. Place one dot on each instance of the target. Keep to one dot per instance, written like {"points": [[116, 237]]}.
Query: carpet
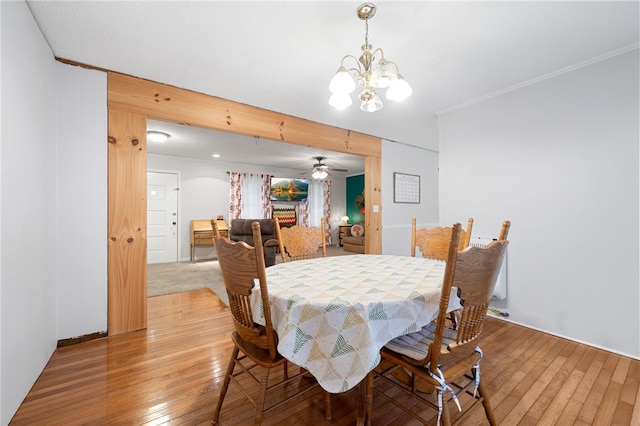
{"points": [[176, 277]]}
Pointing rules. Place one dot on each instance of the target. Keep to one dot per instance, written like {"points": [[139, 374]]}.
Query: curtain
{"points": [[327, 209], [303, 211], [235, 195], [316, 202], [319, 205], [249, 196]]}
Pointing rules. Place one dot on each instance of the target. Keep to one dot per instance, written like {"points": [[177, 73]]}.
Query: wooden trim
{"points": [[131, 101], [80, 339], [373, 197]]}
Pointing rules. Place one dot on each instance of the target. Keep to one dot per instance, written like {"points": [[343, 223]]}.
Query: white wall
{"points": [[29, 216], [82, 201], [560, 160], [54, 204], [204, 194], [396, 219]]}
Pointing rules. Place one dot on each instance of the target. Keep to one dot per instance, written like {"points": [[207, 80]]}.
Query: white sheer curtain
{"points": [[253, 197], [316, 202]]}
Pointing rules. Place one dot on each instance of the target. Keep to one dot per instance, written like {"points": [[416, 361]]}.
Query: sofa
{"points": [[353, 240], [241, 231]]}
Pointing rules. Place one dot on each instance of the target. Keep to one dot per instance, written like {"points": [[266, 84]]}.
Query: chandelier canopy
{"points": [[385, 75]]}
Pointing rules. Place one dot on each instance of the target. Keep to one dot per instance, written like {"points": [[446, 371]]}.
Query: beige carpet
{"points": [[176, 277]]}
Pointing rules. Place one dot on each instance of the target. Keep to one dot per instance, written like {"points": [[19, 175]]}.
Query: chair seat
{"points": [[259, 355], [416, 345]]}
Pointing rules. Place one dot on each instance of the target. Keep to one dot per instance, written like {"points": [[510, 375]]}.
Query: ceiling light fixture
{"points": [[385, 75], [319, 172], [157, 137]]}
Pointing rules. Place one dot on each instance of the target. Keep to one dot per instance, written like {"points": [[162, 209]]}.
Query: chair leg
{"points": [[487, 407], [446, 416], [327, 405], [368, 397], [225, 384], [262, 396]]}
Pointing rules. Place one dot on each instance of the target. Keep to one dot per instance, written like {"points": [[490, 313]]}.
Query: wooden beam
{"points": [[163, 102], [127, 223]]}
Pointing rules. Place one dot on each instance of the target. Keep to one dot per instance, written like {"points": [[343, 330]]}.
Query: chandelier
{"points": [[385, 75]]}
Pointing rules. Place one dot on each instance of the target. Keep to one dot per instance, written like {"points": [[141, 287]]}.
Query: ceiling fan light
{"points": [[319, 173], [340, 100], [342, 82], [384, 74], [399, 89]]}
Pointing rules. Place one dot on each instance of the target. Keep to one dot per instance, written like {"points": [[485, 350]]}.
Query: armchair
{"points": [[241, 231]]}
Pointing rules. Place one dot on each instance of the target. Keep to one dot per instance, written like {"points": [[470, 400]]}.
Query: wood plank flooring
{"points": [[171, 374]]}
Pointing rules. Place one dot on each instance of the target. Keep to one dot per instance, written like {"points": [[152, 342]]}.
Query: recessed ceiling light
{"points": [[157, 137], [215, 155]]}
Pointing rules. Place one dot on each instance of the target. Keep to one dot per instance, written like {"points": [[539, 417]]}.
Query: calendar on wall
{"points": [[406, 188]]}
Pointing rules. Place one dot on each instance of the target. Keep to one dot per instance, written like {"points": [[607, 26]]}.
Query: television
{"points": [[288, 189]]}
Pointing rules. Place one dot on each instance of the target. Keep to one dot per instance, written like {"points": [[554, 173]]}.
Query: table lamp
{"points": [[345, 220]]}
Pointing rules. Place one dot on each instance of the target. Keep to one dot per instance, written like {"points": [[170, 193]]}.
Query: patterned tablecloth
{"points": [[333, 314]]}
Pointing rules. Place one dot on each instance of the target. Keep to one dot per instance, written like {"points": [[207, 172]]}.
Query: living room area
{"points": [[205, 188]]}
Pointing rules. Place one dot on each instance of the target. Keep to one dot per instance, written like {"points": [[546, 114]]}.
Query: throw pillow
{"points": [[357, 230]]}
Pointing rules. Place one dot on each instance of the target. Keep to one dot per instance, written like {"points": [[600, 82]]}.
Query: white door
{"points": [[162, 217]]}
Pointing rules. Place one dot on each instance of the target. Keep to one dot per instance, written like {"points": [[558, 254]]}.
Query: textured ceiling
{"points": [[281, 55]]}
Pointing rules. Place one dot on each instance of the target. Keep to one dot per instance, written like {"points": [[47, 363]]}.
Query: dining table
{"points": [[333, 314]]}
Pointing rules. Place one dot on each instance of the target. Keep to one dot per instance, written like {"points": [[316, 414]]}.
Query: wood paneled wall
{"points": [[131, 101]]}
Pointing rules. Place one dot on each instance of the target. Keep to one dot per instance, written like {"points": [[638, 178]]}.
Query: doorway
{"points": [[162, 217], [131, 102]]}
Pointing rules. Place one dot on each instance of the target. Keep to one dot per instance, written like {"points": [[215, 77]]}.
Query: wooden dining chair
{"points": [[254, 345], [433, 243], [301, 242], [446, 359]]}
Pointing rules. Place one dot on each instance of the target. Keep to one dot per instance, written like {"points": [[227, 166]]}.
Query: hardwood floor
{"points": [[171, 374]]}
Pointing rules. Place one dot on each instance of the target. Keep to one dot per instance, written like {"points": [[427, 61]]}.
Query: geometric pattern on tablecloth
{"points": [[333, 314]]}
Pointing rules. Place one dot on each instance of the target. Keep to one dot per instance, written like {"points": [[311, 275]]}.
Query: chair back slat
{"points": [[433, 243], [301, 242], [240, 265]]}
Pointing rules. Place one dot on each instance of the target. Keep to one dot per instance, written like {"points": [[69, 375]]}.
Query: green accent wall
{"points": [[355, 187]]}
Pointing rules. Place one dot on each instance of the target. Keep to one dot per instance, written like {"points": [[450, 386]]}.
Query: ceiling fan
{"points": [[321, 170]]}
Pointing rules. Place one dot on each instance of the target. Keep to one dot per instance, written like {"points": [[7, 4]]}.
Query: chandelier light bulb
{"points": [[342, 82], [372, 105], [384, 74], [340, 100], [399, 90]]}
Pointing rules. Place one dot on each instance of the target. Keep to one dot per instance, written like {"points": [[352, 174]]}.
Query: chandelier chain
{"points": [[366, 31]]}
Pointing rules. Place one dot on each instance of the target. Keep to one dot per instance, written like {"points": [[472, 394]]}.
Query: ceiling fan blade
{"points": [[337, 170]]}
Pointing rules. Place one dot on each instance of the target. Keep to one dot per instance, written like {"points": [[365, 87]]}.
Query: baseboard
{"points": [[80, 339]]}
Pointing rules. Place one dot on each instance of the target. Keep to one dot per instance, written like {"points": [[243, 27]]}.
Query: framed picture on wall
{"points": [[406, 188]]}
